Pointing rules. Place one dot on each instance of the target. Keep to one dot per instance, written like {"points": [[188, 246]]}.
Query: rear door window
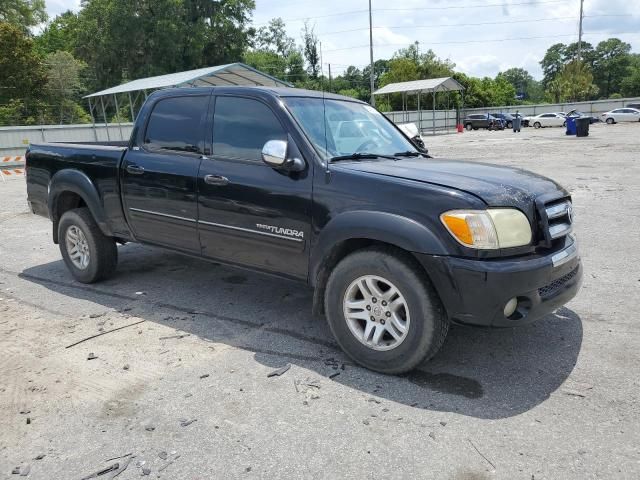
{"points": [[241, 127], [176, 124]]}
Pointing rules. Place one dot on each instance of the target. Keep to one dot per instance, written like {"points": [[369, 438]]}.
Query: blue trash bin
{"points": [[571, 126]]}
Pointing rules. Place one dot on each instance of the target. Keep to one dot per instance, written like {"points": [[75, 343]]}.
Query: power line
{"points": [[442, 25], [451, 7], [462, 42]]}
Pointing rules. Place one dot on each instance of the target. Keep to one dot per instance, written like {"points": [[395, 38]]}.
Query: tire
{"points": [[537, 125], [425, 320], [475, 128], [564, 124], [610, 121], [102, 251], [469, 127], [509, 125]]}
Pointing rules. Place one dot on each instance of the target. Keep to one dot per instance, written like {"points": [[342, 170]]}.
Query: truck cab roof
{"points": [[254, 91]]}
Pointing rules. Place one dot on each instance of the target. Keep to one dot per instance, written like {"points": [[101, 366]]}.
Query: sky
{"points": [[482, 37]]}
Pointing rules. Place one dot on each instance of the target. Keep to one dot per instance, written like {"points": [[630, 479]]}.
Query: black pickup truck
{"points": [[325, 190]]}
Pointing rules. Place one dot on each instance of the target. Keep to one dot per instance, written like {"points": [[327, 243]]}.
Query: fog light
{"points": [[510, 307]]}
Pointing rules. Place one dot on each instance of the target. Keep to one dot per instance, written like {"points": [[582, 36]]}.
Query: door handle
{"points": [[135, 169], [218, 180]]}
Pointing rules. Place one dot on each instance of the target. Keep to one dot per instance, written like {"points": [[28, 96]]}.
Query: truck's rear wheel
{"points": [[383, 313], [89, 255]]}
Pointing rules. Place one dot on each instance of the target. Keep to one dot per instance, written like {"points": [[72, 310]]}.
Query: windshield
{"points": [[350, 128]]}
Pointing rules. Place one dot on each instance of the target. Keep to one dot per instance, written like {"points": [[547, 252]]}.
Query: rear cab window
{"points": [[176, 124]]}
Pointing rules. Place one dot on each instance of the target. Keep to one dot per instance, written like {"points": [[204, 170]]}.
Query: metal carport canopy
{"points": [[430, 85], [231, 74]]}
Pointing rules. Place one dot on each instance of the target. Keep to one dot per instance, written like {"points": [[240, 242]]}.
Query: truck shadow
{"points": [[480, 373]]}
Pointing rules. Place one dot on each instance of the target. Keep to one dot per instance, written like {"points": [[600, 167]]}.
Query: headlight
{"points": [[488, 229]]}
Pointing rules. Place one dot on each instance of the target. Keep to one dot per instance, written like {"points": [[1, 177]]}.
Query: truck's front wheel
{"points": [[89, 255], [383, 313]]}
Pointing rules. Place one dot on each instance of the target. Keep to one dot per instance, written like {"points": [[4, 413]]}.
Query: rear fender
{"points": [[77, 182]]}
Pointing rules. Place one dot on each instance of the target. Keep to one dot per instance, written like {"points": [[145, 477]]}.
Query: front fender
{"points": [[77, 182], [390, 228]]}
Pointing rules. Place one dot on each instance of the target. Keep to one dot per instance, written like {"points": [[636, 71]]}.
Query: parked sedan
{"points": [[547, 120], [621, 115]]}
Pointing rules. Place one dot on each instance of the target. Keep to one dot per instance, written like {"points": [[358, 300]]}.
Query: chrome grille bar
{"points": [[558, 210]]}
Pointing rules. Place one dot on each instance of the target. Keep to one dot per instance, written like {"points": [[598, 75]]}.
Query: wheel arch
{"points": [[354, 231], [69, 189]]}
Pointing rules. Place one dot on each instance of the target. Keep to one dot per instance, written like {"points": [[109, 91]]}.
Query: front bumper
{"points": [[476, 291]]}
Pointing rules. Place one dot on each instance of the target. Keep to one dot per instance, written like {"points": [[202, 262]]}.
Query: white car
{"points": [[547, 120], [621, 115]]}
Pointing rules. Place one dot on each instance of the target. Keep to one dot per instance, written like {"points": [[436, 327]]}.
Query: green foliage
{"points": [[59, 35], [574, 83], [23, 13], [610, 65], [63, 83], [311, 50], [126, 40], [523, 83], [21, 73]]}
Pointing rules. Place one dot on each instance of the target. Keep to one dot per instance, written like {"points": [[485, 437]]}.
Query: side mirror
{"points": [[274, 154]]}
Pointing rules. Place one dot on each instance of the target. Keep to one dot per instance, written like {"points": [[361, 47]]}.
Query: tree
{"points": [[519, 78], [610, 65], [63, 82], [60, 34], [276, 53], [574, 83], [552, 62], [21, 73], [630, 84], [125, 40], [587, 53], [274, 38], [311, 50], [23, 13]]}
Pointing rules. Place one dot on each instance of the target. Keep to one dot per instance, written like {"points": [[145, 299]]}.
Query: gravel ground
{"points": [[185, 389]]}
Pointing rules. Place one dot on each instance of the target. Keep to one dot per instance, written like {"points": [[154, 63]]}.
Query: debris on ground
{"points": [[40, 457], [104, 333], [185, 423], [481, 454], [204, 376], [182, 335], [146, 471], [91, 356], [125, 366], [97, 315], [163, 455], [119, 457], [22, 470], [279, 371], [333, 375]]}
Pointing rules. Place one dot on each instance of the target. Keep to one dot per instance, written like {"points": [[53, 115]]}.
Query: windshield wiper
{"points": [[361, 156], [408, 153]]}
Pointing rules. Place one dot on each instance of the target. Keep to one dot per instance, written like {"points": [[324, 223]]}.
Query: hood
{"points": [[497, 186]]}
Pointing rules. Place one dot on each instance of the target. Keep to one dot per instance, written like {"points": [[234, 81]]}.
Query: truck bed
{"points": [[99, 162]]}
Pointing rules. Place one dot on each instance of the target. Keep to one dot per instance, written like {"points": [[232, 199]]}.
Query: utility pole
{"points": [[580, 30], [373, 99], [330, 86]]}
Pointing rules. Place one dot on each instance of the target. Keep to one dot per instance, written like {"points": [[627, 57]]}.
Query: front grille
{"points": [[554, 287], [556, 220]]}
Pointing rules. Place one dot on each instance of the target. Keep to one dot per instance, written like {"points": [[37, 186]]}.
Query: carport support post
{"points": [[133, 117], [93, 120], [115, 100], [104, 115], [419, 116], [433, 112]]}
